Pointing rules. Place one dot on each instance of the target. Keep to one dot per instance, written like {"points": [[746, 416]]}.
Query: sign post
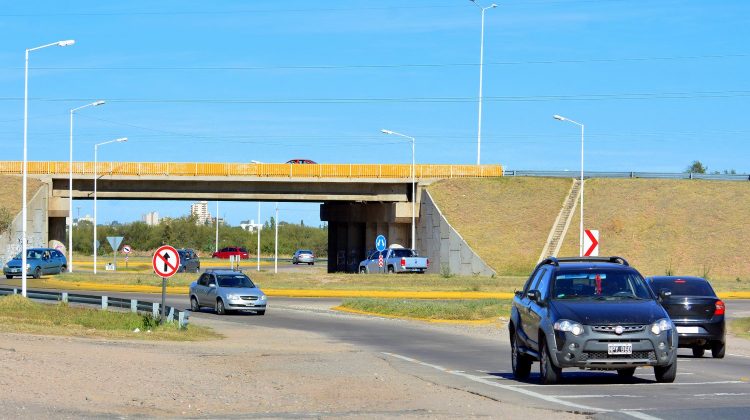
{"points": [[591, 243], [114, 242], [126, 250], [165, 262], [380, 244]]}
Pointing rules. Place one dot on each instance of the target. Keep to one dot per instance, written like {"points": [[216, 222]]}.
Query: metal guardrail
{"points": [[645, 175], [263, 170], [104, 302]]}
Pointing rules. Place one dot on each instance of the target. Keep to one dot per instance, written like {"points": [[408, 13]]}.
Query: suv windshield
{"points": [[601, 284], [235, 280]]}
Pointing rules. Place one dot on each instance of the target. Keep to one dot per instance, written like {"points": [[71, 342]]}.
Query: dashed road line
{"points": [[645, 384], [518, 389]]}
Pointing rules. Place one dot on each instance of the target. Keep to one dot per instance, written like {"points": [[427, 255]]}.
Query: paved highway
{"points": [[478, 360]]}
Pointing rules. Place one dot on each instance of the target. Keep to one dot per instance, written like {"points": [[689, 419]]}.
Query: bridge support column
{"points": [[57, 213], [353, 227]]}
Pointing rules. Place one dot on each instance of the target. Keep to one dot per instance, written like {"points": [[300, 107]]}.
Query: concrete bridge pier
{"points": [[57, 214], [353, 227]]}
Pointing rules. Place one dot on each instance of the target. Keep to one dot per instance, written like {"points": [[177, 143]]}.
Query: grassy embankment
{"points": [[21, 315], [660, 226], [740, 327], [477, 311]]}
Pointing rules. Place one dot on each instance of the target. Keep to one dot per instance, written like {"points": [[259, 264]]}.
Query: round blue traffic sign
{"points": [[380, 243]]}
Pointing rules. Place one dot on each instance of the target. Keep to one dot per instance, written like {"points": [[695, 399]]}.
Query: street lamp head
{"points": [[97, 103], [121, 139], [66, 43], [384, 131], [493, 5], [559, 118]]}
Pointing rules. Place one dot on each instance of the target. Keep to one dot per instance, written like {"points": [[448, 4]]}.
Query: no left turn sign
{"points": [[166, 261]]}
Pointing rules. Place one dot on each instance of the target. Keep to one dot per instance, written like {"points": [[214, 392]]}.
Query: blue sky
{"points": [[658, 84]]}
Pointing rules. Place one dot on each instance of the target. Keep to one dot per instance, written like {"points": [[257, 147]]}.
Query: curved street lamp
{"points": [[25, 155], [580, 234], [70, 185], [96, 149], [481, 65], [413, 184]]}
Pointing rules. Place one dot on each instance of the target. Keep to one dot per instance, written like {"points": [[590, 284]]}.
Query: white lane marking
{"points": [[548, 398], [645, 384], [722, 394], [738, 355], [601, 396]]}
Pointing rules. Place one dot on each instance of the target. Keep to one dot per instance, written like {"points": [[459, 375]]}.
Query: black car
{"points": [[590, 313], [189, 261], [696, 311]]}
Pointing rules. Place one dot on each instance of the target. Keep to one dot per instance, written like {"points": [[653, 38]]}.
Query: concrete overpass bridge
{"points": [[359, 201]]}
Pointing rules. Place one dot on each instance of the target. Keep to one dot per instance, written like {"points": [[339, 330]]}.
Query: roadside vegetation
{"points": [[21, 315], [740, 327], [182, 232], [432, 310]]}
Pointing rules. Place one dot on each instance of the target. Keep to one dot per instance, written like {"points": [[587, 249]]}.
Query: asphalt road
{"points": [[478, 361]]}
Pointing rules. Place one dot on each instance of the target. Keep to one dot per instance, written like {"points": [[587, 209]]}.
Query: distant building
{"points": [[212, 220], [151, 218], [250, 225], [200, 211], [86, 218]]}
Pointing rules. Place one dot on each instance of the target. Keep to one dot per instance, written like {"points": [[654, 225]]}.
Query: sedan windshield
{"points": [[30, 254], [600, 285], [235, 280]]}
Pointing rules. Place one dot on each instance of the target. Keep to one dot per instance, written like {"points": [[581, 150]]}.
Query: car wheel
{"points": [[520, 362], [63, 269], [197, 269], [194, 306], [717, 349], [309, 263], [220, 309], [37, 273], [548, 373], [362, 270], [391, 270], [698, 351], [8, 277], [261, 312], [626, 374], [666, 373]]}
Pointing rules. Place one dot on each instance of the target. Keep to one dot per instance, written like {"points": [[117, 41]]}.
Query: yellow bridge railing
{"points": [[267, 170]]}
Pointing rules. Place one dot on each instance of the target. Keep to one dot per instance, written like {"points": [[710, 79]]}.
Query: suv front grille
{"points": [[602, 355], [611, 328]]}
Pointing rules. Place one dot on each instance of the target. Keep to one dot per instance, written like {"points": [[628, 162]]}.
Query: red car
{"points": [[225, 253], [301, 162]]}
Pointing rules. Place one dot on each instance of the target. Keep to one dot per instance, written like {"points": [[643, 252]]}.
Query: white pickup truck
{"points": [[395, 260]]}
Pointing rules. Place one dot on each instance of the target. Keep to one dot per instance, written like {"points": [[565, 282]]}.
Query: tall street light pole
{"points": [[216, 243], [257, 226], [276, 241], [481, 66], [25, 155], [70, 185], [580, 234], [96, 175], [413, 184]]}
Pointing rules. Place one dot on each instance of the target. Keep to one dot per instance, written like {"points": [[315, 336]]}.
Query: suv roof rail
{"points": [[549, 260], [612, 259]]}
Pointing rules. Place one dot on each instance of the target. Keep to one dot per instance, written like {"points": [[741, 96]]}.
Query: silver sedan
{"points": [[225, 291]]}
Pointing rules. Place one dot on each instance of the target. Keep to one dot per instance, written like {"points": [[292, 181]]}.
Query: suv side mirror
{"points": [[664, 294], [533, 295]]}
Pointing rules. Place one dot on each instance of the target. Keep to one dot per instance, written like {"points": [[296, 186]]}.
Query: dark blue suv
{"points": [[590, 313]]}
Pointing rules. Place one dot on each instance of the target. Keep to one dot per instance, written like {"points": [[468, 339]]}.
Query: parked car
{"points": [[590, 313], [225, 291], [697, 313], [301, 161], [39, 261], [225, 253], [303, 256], [395, 260], [189, 261]]}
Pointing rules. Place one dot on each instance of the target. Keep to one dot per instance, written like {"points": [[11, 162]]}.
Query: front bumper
{"points": [[248, 305], [694, 333], [12, 271], [590, 349]]}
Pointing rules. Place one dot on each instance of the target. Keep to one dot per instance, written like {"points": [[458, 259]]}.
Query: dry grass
{"points": [[740, 327], [505, 220], [689, 227]]}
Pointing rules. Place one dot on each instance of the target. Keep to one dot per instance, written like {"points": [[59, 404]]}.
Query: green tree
{"points": [[697, 168]]}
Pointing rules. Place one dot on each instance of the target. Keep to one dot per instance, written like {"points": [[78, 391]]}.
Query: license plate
{"points": [[620, 348], [687, 330]]}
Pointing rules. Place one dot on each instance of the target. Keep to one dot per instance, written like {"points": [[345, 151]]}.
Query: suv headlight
{"points": [[28, 266], [660, 326], [569, 326], [233, 296]]}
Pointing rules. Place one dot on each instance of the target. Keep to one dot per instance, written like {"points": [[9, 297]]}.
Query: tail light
{"points": [[719, 308], [428, 263], [403, 262]]}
